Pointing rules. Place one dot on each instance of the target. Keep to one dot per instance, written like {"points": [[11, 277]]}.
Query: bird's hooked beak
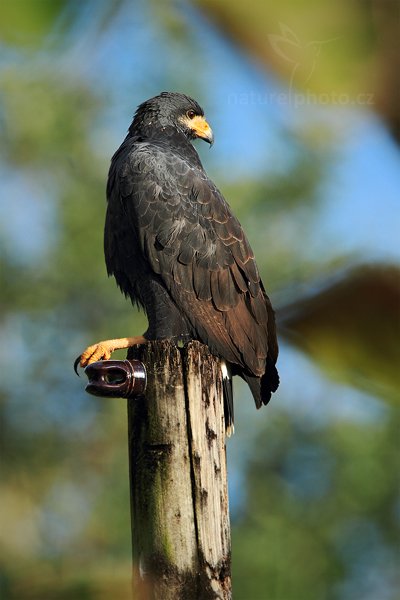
{"points": [[201, 129]]}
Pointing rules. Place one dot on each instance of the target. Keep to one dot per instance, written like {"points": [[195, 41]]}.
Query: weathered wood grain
{"points": [[179, 499]]}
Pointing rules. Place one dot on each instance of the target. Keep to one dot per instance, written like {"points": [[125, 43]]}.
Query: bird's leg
{"points": [[103, 350]]}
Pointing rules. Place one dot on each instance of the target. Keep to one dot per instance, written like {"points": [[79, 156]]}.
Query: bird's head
{"points": [[172, 110]]}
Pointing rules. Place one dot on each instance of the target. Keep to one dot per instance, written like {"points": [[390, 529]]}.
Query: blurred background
{"points": [[303, 98]]}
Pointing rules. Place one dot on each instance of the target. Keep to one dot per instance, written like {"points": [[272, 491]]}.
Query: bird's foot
{"points": [[103, 350]]}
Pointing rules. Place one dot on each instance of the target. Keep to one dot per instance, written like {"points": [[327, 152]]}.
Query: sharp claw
{"points": [[100, 351], [76, 363]]}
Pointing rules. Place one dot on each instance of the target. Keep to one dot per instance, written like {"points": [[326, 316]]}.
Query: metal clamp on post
{"points": [[116, 378]]}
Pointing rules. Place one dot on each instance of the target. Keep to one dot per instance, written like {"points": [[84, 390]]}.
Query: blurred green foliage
{"points": [[318, 511], [24, 23], [321, 506]]}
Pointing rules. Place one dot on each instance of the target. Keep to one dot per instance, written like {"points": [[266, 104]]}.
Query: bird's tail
{"points": [[228, 398], [262, 387]]}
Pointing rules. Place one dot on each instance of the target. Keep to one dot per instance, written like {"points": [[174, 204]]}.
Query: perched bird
{"points": [[175, 248]]}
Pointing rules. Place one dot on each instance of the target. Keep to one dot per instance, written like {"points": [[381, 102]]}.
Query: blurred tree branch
{"points": [[351, 327]]}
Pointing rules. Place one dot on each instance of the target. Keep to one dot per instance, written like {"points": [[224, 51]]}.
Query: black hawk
{"points": [[175, 248]]}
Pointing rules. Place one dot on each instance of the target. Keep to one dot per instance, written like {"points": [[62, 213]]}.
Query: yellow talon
{"points": [[103, 350]]}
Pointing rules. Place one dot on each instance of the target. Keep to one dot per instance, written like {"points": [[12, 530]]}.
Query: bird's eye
{"points": [[191, 114]]}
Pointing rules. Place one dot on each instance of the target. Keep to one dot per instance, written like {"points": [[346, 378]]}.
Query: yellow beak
{"points": [[201, 129]]}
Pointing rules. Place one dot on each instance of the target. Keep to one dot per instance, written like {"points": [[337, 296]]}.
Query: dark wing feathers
{"points": [[191, 239]]}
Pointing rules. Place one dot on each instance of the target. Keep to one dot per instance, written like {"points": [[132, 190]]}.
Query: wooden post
{"points": [[177, 463]]}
